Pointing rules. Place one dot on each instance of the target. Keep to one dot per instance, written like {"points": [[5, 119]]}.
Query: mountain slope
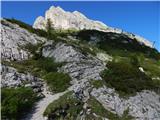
{"points": [[80, 55]]}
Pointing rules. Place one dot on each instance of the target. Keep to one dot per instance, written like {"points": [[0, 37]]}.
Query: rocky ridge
{"points": [[61, 19]]}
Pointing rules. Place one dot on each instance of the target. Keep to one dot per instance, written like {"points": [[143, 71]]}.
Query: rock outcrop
{"points": [[78, 65], [12, 78], [13, 40], [143, 106]]}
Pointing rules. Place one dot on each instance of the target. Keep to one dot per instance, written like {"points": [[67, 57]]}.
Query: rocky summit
{"points": [[61, 19], [92, 72], [67, 20]]}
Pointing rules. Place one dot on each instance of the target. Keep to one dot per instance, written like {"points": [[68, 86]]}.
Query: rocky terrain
{"points": [[13, 40], [91, 98]]}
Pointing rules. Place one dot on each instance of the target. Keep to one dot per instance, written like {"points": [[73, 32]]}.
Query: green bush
{"points": [[16, 102], [48, 64], [57, 82], [67, 107], [126, 79]]}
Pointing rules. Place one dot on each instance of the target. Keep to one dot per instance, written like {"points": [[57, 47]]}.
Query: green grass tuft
{"points": [[97, 83], [57, 82]]}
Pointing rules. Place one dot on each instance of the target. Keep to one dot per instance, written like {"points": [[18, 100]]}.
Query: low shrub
{"points": [[57, 82], [16, 101], [48, 64]]}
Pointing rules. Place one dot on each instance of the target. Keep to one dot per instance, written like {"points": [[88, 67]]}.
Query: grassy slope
{"points": [[116, 46]]}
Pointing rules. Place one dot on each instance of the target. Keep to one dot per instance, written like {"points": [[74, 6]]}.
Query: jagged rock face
{"points": [[12, 78], [13, 40], [67, 20], [143, 106]]}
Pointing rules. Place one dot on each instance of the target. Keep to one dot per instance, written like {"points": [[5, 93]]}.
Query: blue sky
{"points": [[142, 18]]}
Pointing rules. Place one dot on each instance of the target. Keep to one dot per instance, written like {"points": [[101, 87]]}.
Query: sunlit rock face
{"points": [[67, 20]]}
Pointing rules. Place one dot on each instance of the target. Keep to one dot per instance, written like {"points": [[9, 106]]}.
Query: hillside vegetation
{"points": [[128, 55], [134, 68], [118, 44]]}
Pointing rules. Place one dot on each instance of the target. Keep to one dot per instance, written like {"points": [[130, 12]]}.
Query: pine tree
{"points": [[49, 28]]}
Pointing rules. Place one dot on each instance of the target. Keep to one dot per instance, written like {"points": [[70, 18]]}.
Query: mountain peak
{"points": [[58, 8], [62, 19], [67, 20]]}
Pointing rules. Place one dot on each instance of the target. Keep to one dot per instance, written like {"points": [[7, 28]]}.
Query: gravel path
{"points": [[37, 112]]}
